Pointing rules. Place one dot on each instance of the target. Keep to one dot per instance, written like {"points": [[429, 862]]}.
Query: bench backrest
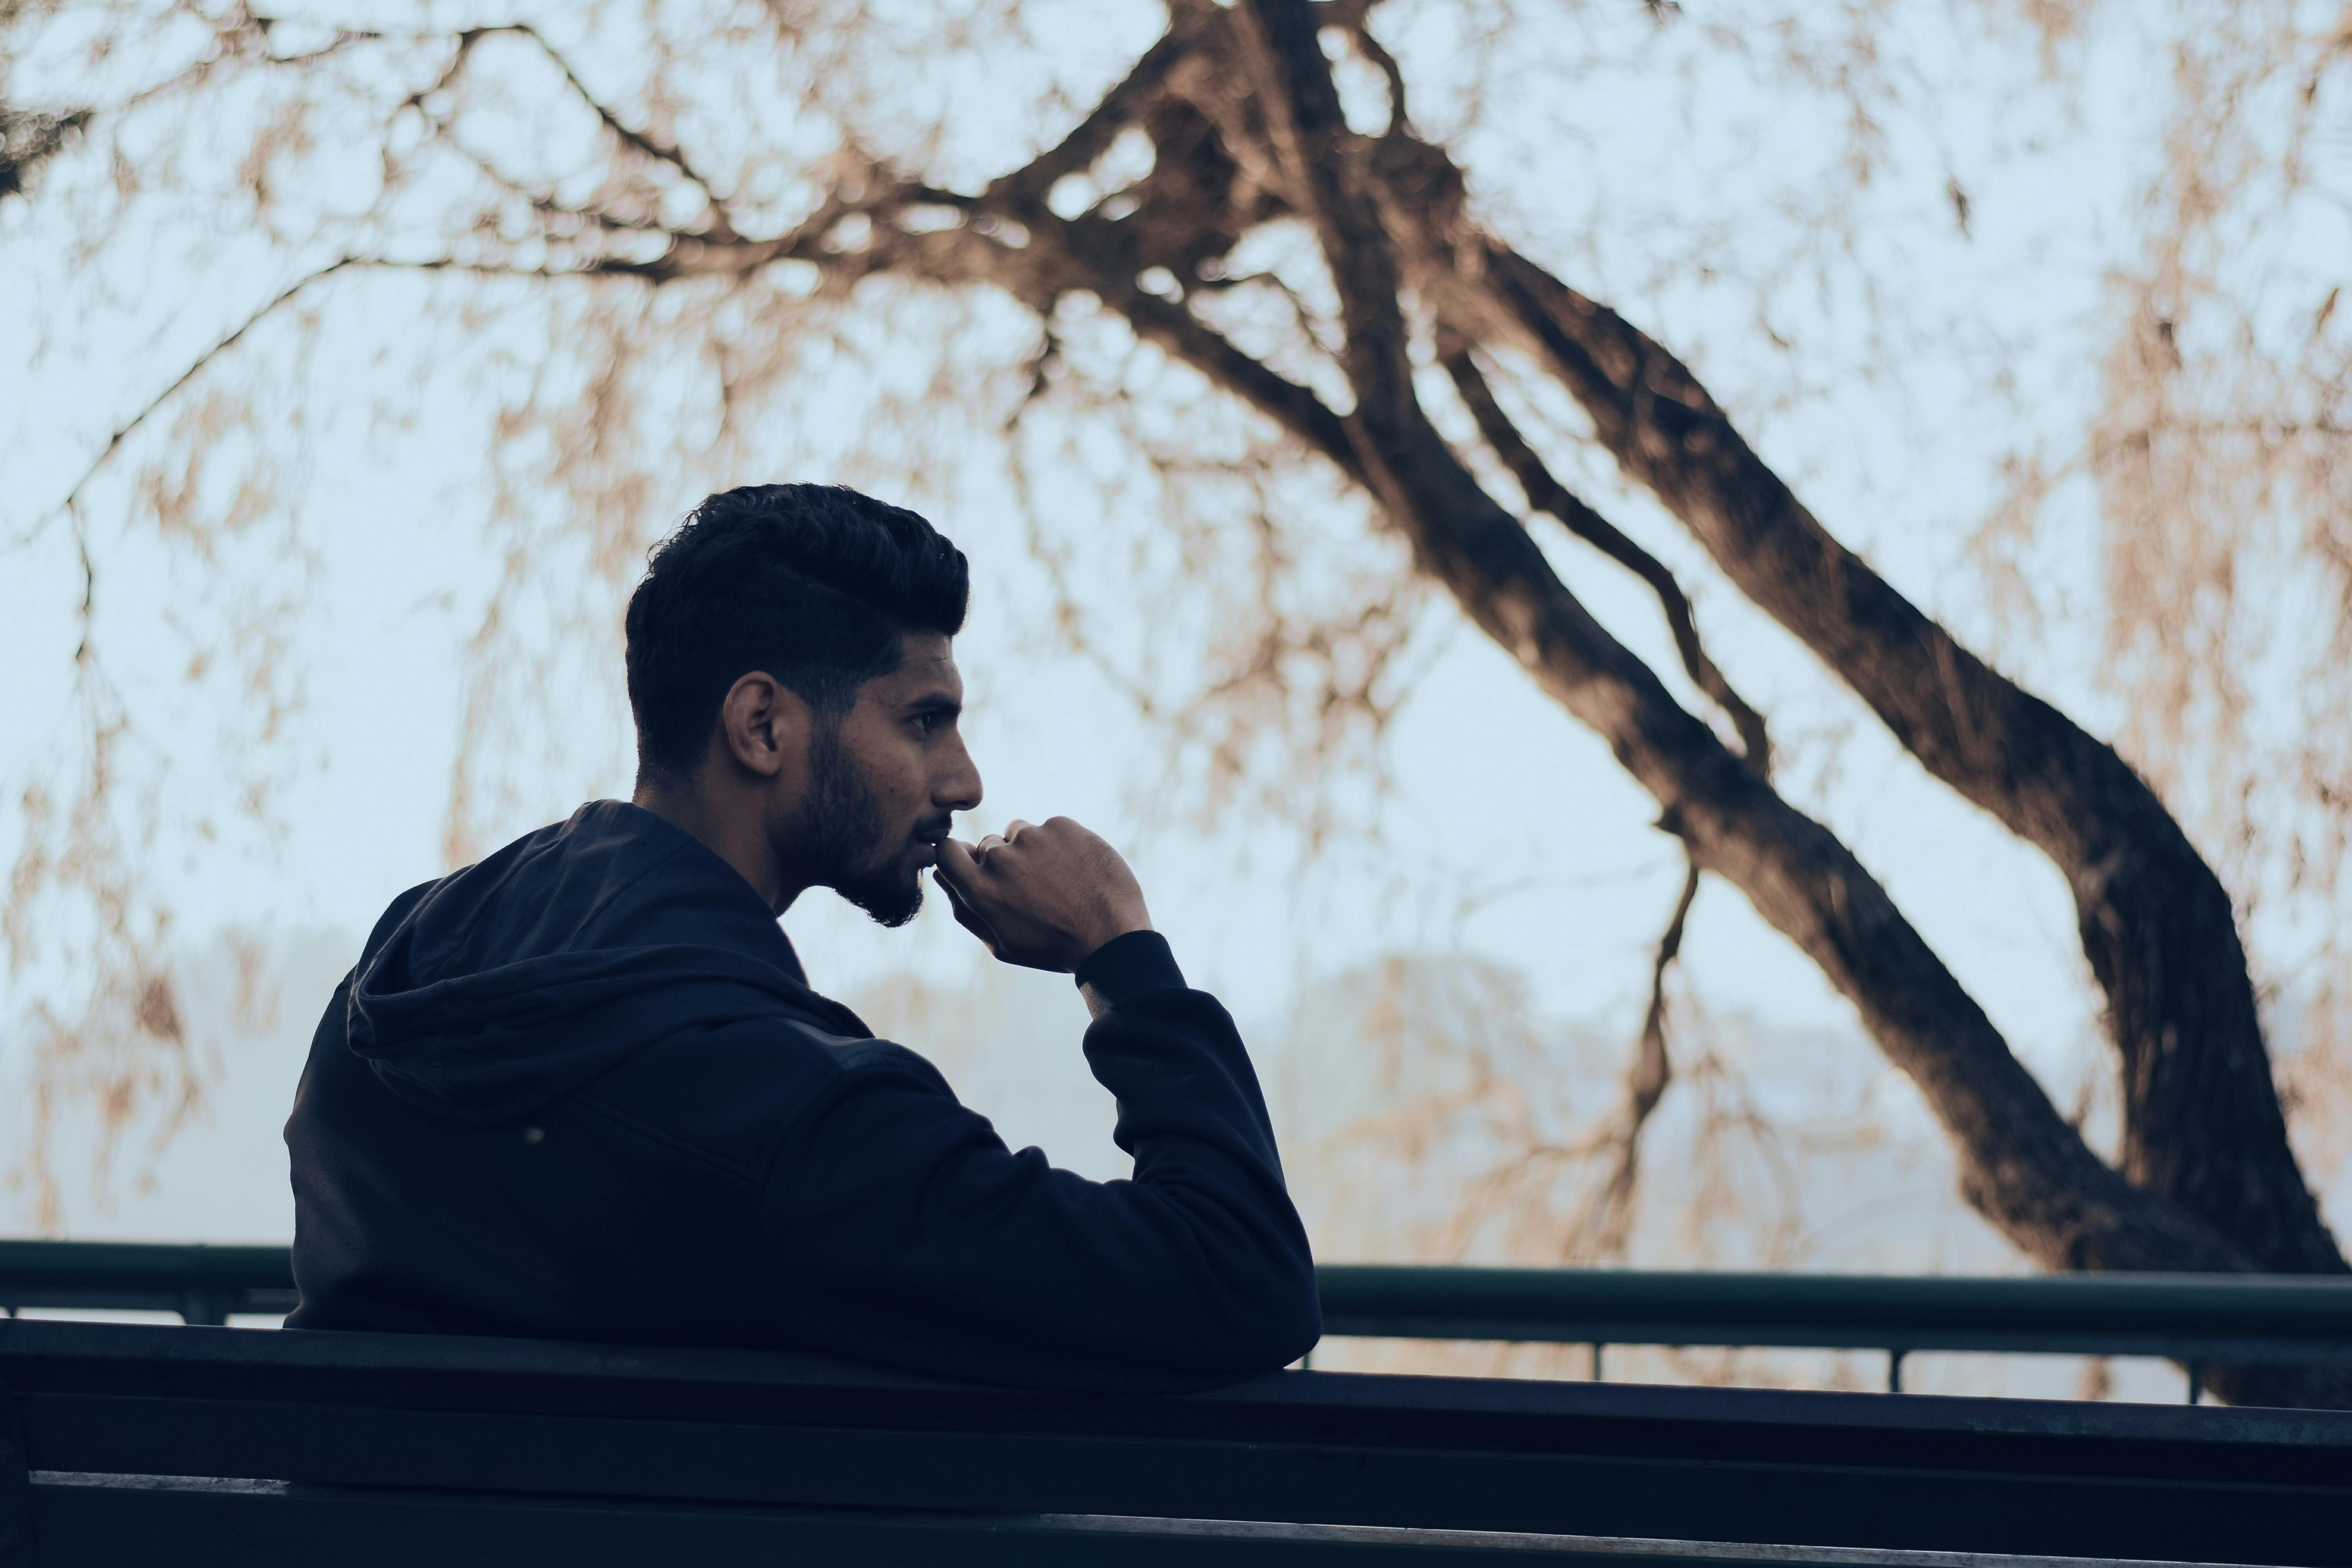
{"points": [[410, 1448]]}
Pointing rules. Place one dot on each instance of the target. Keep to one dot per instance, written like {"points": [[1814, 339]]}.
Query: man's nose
{"points": [[958, 788]]}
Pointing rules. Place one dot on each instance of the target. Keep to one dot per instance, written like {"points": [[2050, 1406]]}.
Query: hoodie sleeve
{"points": [[899, 1227]]}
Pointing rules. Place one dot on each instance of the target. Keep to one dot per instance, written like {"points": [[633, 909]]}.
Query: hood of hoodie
{"points": [[508, 984]]}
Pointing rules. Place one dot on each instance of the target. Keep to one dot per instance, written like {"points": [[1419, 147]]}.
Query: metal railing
{"points": [[205, 1283], [2192, 1318]]}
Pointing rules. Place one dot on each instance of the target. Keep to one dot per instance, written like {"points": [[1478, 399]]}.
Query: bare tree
{"points": [[1231, 126]]}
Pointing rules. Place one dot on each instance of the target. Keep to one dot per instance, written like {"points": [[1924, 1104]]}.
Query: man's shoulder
{"points": [[736, 1092], [870, 1057]]}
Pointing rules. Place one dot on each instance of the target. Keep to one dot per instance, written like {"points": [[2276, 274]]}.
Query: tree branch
{"points": [[1646, 1084], [1545, 493], [1609, 1218], [1087, 140], [244, 35], [1295, 407], [1064, 256], [723, 226]]}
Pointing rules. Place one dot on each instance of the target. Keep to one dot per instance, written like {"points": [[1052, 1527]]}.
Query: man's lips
{"points": [[925, 843]]}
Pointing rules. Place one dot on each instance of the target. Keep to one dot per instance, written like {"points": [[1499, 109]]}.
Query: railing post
{"points": [[16, 1489], [2196, 1382], [1895, 1370], [1597, 1348]]}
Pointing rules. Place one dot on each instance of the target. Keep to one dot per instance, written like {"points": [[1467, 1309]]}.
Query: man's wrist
{"points": [[1126, 965]]}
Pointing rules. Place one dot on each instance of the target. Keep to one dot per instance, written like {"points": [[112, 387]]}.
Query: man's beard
{"points": [[838, 832]]}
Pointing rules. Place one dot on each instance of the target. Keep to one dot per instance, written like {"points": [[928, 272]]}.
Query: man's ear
{"points": [[764, 725]]}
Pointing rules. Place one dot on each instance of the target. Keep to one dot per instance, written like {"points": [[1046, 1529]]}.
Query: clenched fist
{"points": [[1043, 896]]}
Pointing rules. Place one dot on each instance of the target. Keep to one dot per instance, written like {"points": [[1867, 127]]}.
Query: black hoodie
{"points": [[582, 1090]]}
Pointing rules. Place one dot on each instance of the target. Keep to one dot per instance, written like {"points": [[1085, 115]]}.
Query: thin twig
{"points": [[1026, 187], [123, 432], [722, 227], [1608, 1219]]}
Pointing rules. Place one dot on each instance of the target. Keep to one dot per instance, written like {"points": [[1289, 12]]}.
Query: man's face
{"points": [[883, 779]]}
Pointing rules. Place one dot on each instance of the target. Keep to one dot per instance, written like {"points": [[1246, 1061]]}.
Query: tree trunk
{"points": [[2202, 1118]]}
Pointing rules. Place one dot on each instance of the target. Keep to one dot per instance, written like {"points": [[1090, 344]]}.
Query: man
{"points": [[582, 1090]]}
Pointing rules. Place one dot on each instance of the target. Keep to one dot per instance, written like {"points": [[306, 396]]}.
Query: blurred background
{"points": [[351, 356]]}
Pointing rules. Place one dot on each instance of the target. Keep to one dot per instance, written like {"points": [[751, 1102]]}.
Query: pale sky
{"points": [[1511, 838]]}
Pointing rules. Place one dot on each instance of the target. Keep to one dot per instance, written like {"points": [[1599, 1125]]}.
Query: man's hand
{"points": [[1043, 896]]}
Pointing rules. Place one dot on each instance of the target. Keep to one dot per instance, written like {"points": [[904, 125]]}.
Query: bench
{"points": [[188, 1445]]}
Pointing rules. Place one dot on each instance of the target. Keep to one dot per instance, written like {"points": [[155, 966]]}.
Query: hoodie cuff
{"points": [[1127, 966]]}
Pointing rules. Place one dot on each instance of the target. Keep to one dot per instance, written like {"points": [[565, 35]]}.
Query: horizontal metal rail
{"points": [[203, 1282], [2254, 1317], [2189, 1317], [2194, 1318]]}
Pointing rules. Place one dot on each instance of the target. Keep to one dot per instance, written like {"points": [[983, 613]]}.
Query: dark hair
{"points": [[814, 584]]}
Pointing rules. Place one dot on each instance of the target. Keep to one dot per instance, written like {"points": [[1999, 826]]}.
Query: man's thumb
{"points": [[956, 863]]}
